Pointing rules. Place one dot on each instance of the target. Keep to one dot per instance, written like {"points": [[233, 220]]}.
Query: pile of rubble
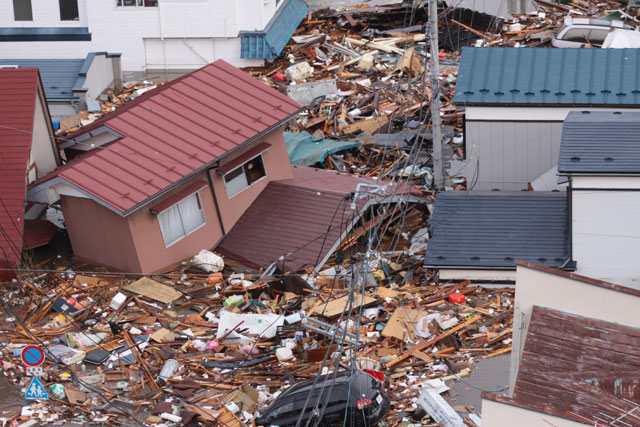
{"points": [[191, 346]]}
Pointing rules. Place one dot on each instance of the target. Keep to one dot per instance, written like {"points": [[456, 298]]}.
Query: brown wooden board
{"points": [[154, 290]]}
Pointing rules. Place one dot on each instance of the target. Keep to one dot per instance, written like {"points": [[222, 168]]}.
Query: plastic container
{"points": [[118, 300], [457, 298], [58, 391], [283, 354], [168, 369]]}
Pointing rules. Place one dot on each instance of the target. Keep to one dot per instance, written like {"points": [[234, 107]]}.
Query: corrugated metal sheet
{"points": [[174, 131], [580, 365], [549, 77], [59, 76], [18, 92], [269, 43], [600, 142], [492, 229]]}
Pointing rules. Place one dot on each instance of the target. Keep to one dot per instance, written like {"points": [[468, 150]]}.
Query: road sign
{"points": [[32, 355], [36, 390], [35, 371]]}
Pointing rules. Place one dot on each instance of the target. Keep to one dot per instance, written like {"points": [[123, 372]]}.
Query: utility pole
{"points": [[432, 30]]}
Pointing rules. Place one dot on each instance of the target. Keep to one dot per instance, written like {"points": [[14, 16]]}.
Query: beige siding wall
{"points": [[147, 236], [98, 235], [277, 167], [496, 414]]}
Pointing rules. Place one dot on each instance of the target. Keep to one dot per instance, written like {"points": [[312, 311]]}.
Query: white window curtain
{"points": [[191, 213], [181, 219], [171, 225]]}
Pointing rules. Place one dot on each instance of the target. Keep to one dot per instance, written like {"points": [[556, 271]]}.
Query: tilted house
{"points": [[169, 173], [515, 100]]}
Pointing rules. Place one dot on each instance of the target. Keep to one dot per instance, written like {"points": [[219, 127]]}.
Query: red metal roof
{"points": [[578, 368], [292, 217], [18, 91], [174, 131], [38, 232]]}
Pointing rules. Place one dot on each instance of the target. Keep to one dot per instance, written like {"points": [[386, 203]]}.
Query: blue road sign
{"points": [[36, 390], [32, 355]]}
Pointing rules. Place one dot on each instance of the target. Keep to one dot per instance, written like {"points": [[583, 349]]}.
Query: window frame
{"points": [[175, 206], [139, 4], [246, 174], [76, 19], [14, 11]]}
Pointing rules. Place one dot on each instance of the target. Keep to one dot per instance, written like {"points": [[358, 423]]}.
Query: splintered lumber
{"points": [[432, 341]]}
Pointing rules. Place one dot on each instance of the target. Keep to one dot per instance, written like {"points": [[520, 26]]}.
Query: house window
{"points": [[22, 10], [137, 3], [245, 175], [181, 219], [69, 10]]}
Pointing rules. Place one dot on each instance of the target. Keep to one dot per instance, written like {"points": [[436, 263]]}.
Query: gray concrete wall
{"points": [[509, 155]]}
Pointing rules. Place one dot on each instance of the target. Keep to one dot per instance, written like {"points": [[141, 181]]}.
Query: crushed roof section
{"points": [[542, 76], [600, 142], [18, 94], [578, 368], [173, 132], [481, 229], [293, 216], [59, 76]]}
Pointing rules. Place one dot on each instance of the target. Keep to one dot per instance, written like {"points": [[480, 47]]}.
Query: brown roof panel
{"points": [[578, 368]]}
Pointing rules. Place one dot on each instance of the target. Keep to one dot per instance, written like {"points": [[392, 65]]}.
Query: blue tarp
{"points": [[305, 151]]}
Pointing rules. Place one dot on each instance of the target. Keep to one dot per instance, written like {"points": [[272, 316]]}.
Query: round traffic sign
{"points": [[32, 355]]}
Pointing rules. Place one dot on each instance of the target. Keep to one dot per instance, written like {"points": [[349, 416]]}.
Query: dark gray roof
{"points": [[494, 228], [600, 142]]}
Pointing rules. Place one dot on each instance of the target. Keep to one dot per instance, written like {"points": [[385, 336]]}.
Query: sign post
{"points": [[33, 358]]}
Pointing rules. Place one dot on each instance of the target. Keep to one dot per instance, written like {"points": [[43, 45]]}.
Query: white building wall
{"points": [[43, 153], [497, 414], [46, 13], [100, 76], [606, 228], [535, 287], [176, 35], [509, 147]]}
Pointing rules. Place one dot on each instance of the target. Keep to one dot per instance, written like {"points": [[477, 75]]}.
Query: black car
{"points": [[359, 397]]}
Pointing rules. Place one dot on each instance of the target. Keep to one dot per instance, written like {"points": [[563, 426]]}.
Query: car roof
{"points": [[570, 20], [342, 377]]}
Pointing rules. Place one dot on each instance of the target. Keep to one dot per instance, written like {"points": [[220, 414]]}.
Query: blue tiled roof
{"points": [[492, 229], [548, 77], [58, 75], [269, 43], [600, 142]]}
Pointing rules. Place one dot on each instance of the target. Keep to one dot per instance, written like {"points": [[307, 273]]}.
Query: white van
{"points": [[579, 32]]}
